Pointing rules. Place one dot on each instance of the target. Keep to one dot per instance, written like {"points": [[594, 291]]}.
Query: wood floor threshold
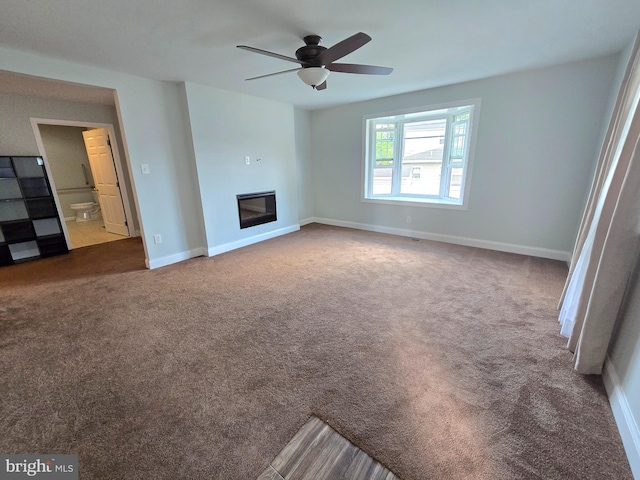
{"points": [[317, 452]]}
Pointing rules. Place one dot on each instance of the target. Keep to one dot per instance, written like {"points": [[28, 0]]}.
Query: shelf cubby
{"points": [[30, 226]]}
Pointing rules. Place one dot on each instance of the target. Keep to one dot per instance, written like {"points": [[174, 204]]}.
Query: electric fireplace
{"points": [[256, 208]]}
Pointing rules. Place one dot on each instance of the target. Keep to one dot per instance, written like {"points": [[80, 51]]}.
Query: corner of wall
{"points": [[175, 258], [184, 94], [304, 165]]}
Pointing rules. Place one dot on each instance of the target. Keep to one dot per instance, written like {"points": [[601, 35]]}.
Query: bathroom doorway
{"points": [[74, 182]]}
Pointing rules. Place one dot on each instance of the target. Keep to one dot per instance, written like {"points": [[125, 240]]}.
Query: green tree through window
{"points": [[385, 137]]}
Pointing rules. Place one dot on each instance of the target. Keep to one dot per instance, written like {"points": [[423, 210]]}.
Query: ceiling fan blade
{"points": [[356, 68], [271, 54], [322, 86], [341, 49], [272, 74]]}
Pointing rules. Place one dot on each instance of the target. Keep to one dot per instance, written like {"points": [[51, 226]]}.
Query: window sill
{"points": [[417, 202]]}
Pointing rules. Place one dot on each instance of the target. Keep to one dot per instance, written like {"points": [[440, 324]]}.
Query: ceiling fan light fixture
{"points": [[316, 62], [313, 76]]}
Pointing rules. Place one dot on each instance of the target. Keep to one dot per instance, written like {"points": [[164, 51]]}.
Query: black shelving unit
{"points": [[30, 227]]}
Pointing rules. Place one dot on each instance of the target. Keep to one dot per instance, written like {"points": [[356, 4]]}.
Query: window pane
{"points": [[382, 181], [458, 139], [423, 144], [419, 156], [385, 136], [455, 183], [383, 161]]}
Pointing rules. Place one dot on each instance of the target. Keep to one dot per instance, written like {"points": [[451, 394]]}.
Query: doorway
{"points": [[84, 166]]}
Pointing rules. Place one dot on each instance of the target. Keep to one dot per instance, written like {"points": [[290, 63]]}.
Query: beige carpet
{"points": [[440, 361]]}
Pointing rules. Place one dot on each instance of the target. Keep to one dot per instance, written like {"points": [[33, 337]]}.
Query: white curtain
{"points": [[608, 242]]}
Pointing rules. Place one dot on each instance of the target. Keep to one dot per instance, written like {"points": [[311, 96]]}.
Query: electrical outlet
{"points": [[247, 160], [408, 218], [157, 238], [145, 168]]}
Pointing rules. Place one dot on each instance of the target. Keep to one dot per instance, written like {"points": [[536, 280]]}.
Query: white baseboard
{"points": [[226, 247], [175, 258], [203, 251], [627, 424], [307, 221], [469, 242]]}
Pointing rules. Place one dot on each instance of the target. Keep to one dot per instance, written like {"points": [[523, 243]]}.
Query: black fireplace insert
{"points": [[256, 208]]}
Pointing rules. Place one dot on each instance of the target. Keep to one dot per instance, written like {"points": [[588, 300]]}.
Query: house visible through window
{"points": [[420, 156]]}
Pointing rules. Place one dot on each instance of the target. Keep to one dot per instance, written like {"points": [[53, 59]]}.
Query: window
{"points": [[420, 157]]}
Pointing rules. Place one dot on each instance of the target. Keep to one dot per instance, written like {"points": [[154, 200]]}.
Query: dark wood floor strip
{"points": [[363, 466], [317, 452]]}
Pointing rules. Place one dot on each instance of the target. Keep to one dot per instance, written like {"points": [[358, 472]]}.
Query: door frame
{"points": [[35, 122]]}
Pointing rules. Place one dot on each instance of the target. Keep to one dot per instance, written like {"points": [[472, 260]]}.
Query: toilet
{"points": [[89, 210]]}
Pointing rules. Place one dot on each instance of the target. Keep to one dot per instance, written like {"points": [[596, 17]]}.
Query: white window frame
{"points": [[410, 115]]}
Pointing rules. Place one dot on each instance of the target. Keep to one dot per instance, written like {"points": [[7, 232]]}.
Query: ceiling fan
{"points": [[316, 61]]}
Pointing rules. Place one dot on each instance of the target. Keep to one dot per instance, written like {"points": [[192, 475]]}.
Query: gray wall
{"points": [[17, 136], [537, 142], [154, 121], [227, 127], [66, 153], [536, 146], [154, 132], [306, 198]]}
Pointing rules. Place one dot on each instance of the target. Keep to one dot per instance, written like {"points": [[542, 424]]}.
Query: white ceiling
{"points": [[429, 43]]}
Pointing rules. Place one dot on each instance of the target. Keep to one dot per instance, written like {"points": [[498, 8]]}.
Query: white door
{"points": [[104, 173]]}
